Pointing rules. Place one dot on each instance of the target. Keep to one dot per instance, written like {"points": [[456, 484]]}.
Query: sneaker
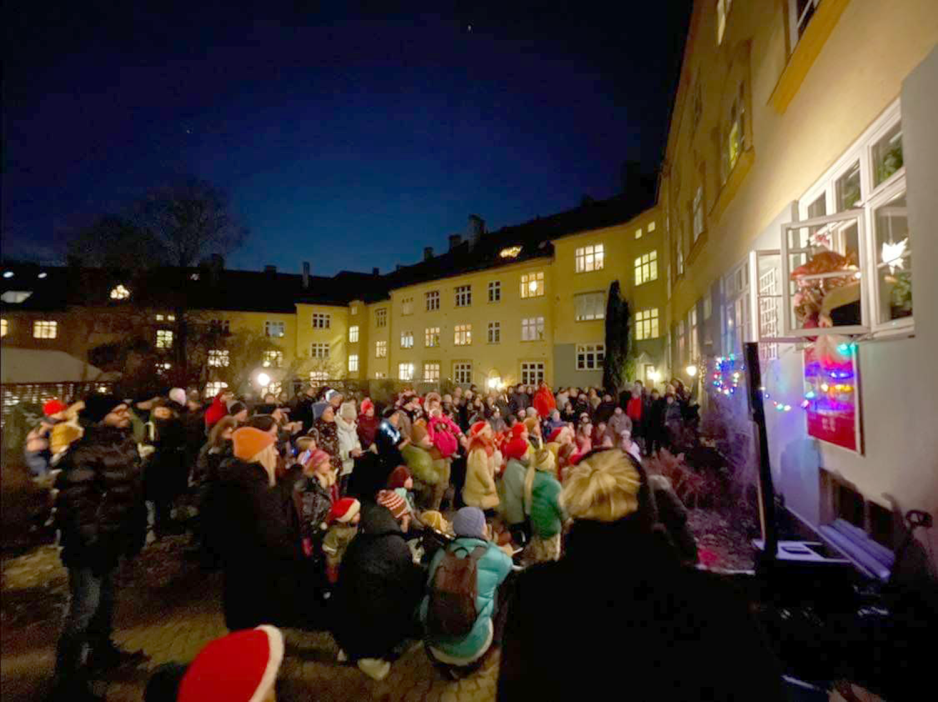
{"points": [[109, 656], [374, 668], [342, 656]]}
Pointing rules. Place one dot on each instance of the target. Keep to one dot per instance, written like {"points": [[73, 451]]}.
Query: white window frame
{"points": [[533, 372], [381, 349], [462, 372], [592, 257], [495, 333], [532, 329], [431, 337], [272, 359], [407, 306], [213, 387], [646, 267], [527, 279], [272, 326], [693, 331], [589, 306], [431, 371], [737, 306], [495, 291], [723, 11], [795, 25], [407, 340], [462, 296], [353, 363], [698, 212], [381, 317], [766, 299], [218, 358], [318, 376], [405, 371], [432, 300], [647, 324], [462, 335], [353, 333], [590, 357], [164, 338], [45, 329], [322, 320], [319, 349]]}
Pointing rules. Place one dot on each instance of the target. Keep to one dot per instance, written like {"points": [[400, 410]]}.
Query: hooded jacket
{"points": [[479, 489], [379, 588], [347, 433]]}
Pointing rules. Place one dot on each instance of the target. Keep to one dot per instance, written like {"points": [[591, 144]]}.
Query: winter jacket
{"points": [[673, 415], [617, 424], [326, 435], [545, 511], [665, 617], [421, 464], [216, 411], [518, 401], [604, 412], [167, 471], [206, 468], [492, 569], [367, 427], [444, 434], [479, 489], [544, 402], [348, 440], [378, 590], [301, 410], [635, 409], [512, 491], [672, 514], [337, 541], [100, 508]]}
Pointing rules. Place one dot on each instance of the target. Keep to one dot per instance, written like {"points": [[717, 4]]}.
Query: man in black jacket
{"points": [[101, 515]]}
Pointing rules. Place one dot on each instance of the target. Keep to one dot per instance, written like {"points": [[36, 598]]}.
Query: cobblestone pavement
{"points": [[170, 609]]}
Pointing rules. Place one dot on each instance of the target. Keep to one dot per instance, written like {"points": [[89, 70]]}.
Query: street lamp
{"points": [[263, 380], [494, 383], [691, 370], [654, 376]]}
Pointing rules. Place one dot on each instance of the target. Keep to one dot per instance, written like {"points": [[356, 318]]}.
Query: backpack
{"points": [[452, 608], [443, 439]]}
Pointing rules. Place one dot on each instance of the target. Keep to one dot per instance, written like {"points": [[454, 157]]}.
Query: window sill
{"points": [[733, 183], [805, 52]]}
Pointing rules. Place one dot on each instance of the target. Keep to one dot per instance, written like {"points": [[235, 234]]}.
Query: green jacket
{"points": [[421, 465], [546, 514]]}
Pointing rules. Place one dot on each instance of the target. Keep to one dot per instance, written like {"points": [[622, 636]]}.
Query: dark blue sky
{"points": [[346, 136]]}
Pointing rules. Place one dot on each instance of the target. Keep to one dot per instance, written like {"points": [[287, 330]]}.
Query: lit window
{"points": [[318, 376], [532, 329], [590, 356], [589, 306], [646, 268], [407, 340], [407, 306], [680, 260], [431, 372], [495, 291], [218, 358], [15, 297], [272, 359], [213, 388], [651, 227], [164, 339], [510, 252], [646, 324], [431, 337], [322, 320], [735, 132], [120, 293], [4, 327], [462, 335], [432, 299], [532, 284], [463, 295], [694, 340], [319, 349], [353, 363], [532, 373], [462, 373], [353, 310], [495, 332], [275, 329], [698, 212], [353, 333], [194, 276], [405, 371], [381, 349], [590, 258], [381, 317]]}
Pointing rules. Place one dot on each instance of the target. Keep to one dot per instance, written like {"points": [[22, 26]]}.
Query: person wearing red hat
{"points": [[367, 424], [482, 464], [511, 488], [343, 526]]}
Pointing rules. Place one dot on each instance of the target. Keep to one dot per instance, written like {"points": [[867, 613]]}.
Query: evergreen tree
{"points": [[618, 339]]}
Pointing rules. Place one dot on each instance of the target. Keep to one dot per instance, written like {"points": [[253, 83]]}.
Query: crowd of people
{"points": [[423, 519]]}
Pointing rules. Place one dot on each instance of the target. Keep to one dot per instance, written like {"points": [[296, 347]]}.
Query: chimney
{"points": [[306, 275], [476, 230], [427, 253], [454, 241], [375, 272]]}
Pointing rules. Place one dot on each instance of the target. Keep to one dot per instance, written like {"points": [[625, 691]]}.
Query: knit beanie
{"points": [[469, 522], [317, 458], [366, 405], [178, 395], [239, 667], [248, 442], [398, 477], [98, 406], [394, 503], [344, 510], [435, 520], [516, 448], [53, 406]]}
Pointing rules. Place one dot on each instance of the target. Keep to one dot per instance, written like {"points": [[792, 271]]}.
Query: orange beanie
{"points": [[248, 442]]}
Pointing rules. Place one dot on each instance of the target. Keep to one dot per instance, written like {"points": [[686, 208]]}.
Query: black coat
{"points": [[100, 508], [167, 471], [378, 590], [518, 401], [301, 410], [604, 412], [648, 627]]}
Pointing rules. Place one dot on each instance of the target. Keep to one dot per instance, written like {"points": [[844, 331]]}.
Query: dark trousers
{"points": [[89, 620]]}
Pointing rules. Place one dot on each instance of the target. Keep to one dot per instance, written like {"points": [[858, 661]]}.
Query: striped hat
{"points": [[394, 503]]}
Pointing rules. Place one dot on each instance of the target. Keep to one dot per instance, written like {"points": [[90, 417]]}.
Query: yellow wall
{"points": [[254, 322], [336, 336], [377, 367]]}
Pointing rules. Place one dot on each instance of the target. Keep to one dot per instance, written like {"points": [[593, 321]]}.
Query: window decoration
{"points": [[592, 257], [532, 284], [590, 356]]}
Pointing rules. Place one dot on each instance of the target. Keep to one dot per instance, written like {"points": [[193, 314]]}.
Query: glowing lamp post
{"points": [[691, 370], [263, 380]]}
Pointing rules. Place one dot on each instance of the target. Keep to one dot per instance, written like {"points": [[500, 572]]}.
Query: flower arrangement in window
{"points": [[829, 301]]}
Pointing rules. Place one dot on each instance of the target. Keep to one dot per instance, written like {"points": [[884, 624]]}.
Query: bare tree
{"points": [[116, 242]]}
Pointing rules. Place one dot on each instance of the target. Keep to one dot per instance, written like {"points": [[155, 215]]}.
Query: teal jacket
{"points": [[546, 514], [511, 491], [493, 568]]}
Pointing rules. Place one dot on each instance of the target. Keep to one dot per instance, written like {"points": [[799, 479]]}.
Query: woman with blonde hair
{"points": [[679, 633]]}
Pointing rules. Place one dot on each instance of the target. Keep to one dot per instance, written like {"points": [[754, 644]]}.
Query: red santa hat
{"points": [[367, 404], [516, 448], [239, 667], [478, 427], [518, 430], [344, 510], [555, 435], [53, 406], [317, 458]]}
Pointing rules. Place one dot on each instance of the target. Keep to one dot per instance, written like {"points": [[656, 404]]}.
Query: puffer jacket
{"points": [[100, 507], [326, 435], [348, 440], [492, 569], [546, 513], [479, 489], [512, 491]]}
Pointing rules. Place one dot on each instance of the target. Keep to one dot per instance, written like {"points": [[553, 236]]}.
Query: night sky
{"points": [[345, 135]]}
